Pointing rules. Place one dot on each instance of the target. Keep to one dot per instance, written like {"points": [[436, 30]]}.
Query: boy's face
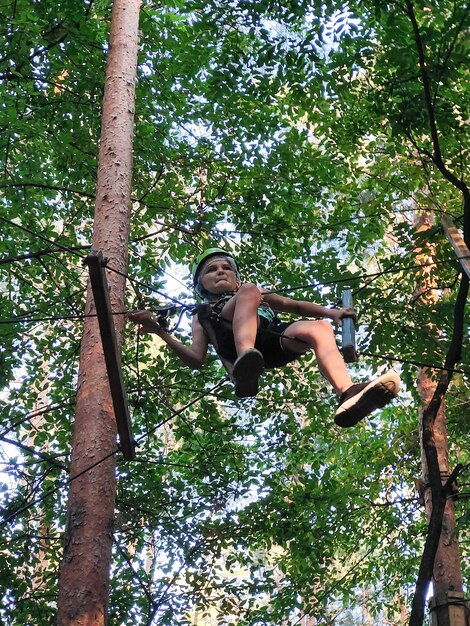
{"points": [[218, 276]]}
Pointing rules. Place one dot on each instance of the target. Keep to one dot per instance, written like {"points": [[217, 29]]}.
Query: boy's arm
{"points": [[304, 308], [193, 356]]}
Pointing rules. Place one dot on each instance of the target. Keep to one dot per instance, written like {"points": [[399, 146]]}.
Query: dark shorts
{"points": [[268, 342]]}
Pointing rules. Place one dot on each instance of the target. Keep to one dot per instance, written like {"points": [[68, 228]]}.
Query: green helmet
{"points": [[204, 256]]}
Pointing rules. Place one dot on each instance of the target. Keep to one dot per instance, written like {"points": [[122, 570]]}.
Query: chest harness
{"points": [[209, 316], [264, 310]]}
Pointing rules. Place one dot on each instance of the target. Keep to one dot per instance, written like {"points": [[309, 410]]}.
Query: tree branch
{"points": [[42, 455], [80, 192], [438, 492], [436, 155], [39, 253]]}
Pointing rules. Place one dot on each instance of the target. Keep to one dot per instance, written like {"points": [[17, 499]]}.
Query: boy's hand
{"points": [[146, 320], [337, 315]]}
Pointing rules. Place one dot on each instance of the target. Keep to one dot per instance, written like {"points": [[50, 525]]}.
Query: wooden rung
{"points": [[99, 286], [457, 242]]}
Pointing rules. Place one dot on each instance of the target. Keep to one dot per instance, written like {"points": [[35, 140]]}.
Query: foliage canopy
{"points": [[300, 138]]}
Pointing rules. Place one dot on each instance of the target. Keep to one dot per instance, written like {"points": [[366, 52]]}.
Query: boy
{"points": [[247, 333]]}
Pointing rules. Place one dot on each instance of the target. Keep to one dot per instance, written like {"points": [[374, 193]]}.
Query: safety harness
{"points": [[209, 315]]}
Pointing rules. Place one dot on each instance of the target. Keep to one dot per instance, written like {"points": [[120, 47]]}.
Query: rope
{"points": [[73, 250], [69, 249], [373, 275], [53, 490], [185, 307], [316, 284], [388, 357], [385, 357]]}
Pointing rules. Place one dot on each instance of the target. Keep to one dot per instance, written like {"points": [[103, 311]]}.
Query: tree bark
{"points": [[85, 573], [441, 518], [446, 572], [441, 556]]}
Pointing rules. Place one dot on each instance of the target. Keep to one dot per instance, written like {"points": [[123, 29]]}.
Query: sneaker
{"points": [[361, 399], [246, 372]]}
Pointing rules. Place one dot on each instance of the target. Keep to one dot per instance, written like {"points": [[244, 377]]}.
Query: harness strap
{"points": [[204, 316], [264, 310]]}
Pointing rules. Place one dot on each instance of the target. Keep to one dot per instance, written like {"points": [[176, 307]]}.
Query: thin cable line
{"points": [[42, 237], [389, 357], [385, 357], [38, 254], [32, 320], [53, 490], [53, 318], [141, 284], [280, 290], [83, 257], [77, 316], [154, 266], [200, 444], [363, 276], [40, 412], [179, 411], [373, 275], [49, 458]]}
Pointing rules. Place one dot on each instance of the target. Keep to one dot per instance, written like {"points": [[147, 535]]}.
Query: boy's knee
{"points": [[323, 327], [250, 290], [313, 332]]}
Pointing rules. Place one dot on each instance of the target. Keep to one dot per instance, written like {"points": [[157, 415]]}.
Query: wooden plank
{"points": [[456, 607], [348, 331], [457, 242], [99, 285]]}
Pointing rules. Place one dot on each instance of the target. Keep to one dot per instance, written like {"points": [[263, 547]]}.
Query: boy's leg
{"points": [[356, 401], [318, 335], [242, 311]]}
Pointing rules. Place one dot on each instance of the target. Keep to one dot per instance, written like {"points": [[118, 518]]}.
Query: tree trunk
{"points": [[447, 575], [85, 573]]}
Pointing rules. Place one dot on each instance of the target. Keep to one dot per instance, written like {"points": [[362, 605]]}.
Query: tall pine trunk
{"points": [[85, 574], [447, 575]]}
